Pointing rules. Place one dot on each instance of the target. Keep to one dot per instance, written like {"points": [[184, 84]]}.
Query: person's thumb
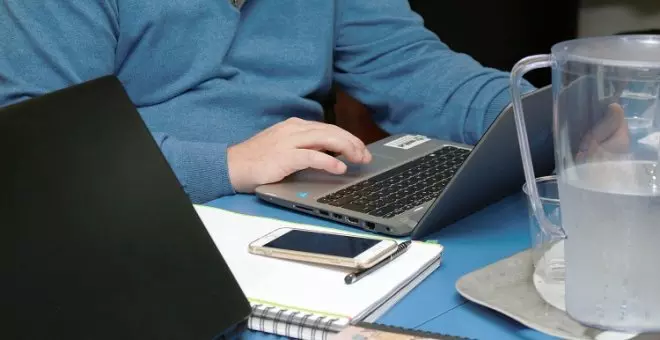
{"points": [[613, 120]]}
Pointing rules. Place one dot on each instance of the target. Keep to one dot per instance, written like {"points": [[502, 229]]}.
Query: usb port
{"points": [[337, 216], [370, 225], [324, 213], [353, 220]]}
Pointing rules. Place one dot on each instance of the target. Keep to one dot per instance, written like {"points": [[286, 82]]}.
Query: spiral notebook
{"points": [[308, 301]]}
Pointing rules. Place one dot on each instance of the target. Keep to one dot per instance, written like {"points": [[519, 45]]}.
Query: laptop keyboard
{"points": [[402, 188]]}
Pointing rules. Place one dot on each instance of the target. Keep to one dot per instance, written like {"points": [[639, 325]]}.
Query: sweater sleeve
{"points": [[51, 44], [389, 61]]}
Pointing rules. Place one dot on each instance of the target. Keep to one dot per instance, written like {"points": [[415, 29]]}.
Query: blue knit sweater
{"points": [[205, 74]]}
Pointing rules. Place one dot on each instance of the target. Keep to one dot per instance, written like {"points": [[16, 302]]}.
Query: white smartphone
{"points": [[323, 248]]}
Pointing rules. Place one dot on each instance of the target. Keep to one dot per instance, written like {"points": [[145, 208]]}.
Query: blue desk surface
{"points": [[496, 232]]}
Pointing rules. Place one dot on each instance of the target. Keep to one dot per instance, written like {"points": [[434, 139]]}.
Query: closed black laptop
{"points": [[98, 240]]}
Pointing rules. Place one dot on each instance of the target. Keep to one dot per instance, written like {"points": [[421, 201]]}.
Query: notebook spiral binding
{"points": [[291, 323]]}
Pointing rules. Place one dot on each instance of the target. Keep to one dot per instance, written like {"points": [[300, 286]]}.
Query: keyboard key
{"points": [[403, 188]]}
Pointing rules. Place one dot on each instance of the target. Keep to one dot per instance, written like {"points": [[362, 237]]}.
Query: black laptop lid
{"points": [[98, 240]]}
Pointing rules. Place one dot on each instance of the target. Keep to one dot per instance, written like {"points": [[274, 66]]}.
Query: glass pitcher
{"points": [[605, 101]]}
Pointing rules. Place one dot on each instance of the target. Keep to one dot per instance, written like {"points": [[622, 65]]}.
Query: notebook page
{"points": [[306, 287]]}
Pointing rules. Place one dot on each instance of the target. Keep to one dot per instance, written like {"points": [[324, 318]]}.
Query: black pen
{"points": [[355, 276]]}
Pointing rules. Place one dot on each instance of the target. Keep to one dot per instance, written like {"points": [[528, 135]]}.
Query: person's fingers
{"points": [[357, 143], [296, 125], [619, 142], [319, 139], [301, 159], [334, 129], [611, 130], [294, 121], [613, 120]]}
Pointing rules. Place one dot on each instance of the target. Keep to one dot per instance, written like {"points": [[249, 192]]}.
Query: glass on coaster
{"points": [[547, 249]]}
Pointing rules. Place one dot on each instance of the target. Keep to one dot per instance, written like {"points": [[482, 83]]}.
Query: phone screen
{"points": [[320, 243]]}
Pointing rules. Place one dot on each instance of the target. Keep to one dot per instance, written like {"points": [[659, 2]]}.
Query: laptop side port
{"points": [[324, 213], [337, 216], [353, 220], [370, 225], [300, 207]]}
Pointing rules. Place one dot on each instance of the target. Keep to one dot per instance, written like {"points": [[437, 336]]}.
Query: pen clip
{"points": [[358, 274]]}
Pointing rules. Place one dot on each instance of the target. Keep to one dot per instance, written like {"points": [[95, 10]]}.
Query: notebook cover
{"points": [[395, 298]]}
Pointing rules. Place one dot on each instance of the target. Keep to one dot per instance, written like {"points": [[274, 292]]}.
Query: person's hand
{"points": [[290, 146], [609, 136]]}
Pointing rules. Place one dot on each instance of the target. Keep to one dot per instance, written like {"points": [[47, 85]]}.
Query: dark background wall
{"points": [[499, 33]]}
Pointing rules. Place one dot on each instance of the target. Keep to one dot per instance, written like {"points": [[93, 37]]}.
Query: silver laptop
{"points": [[416, 185]]}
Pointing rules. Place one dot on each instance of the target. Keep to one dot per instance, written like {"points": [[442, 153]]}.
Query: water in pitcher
{"points": [[611, 215]]}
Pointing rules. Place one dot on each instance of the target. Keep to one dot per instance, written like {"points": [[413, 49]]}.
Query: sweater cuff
{"points": [[500, 102], [202, 169]]}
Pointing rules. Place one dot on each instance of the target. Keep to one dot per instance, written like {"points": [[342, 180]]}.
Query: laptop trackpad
{"points": [[353, 171], [377, 164]]}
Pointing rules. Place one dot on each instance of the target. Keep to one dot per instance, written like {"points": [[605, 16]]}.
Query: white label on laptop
{"points": [[407, 142], [652, 140]]}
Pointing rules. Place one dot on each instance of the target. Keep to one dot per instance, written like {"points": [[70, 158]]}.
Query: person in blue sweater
{"points": [[231, 88]]}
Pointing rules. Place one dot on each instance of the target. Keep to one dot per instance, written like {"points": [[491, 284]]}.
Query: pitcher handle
{"points": [[519, 70]]}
